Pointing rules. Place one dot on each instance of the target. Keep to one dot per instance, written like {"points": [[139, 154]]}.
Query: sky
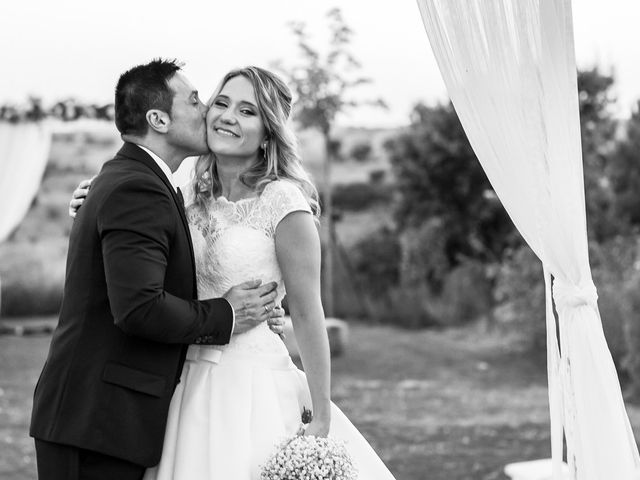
{"points": [[77, 48]]}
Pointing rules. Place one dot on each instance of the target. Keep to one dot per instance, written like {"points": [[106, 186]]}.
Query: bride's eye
{"points": [[247, 111], [219, 103]]}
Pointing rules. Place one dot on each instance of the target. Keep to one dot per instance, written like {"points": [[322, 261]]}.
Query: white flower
{"points": [[310, 458]]}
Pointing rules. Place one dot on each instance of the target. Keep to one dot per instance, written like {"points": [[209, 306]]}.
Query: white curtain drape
{"points": [[24, 150], [509, 67]]}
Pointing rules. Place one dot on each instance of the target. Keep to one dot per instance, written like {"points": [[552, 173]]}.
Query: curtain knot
{"points": [[569, 295]]}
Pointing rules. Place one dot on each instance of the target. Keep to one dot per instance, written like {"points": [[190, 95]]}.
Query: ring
{"points": [[267, 309]]}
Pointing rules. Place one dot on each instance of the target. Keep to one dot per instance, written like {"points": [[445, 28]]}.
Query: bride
{"points": [[253, 213]]}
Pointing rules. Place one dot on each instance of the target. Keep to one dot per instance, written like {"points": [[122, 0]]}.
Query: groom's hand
{"points": [[253, 303]]}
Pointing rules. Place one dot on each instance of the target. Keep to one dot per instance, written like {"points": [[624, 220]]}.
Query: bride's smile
{"points": [[235, 127], [225, 133]]}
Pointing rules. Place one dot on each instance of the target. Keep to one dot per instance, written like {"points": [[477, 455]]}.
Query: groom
{"points": [[129, 309]]}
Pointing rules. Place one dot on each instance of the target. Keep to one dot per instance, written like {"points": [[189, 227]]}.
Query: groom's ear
{"points": [[158, 120]]}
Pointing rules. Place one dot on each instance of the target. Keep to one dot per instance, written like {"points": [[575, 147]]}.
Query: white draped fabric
{"points": [[24, 150], [509, 68]]}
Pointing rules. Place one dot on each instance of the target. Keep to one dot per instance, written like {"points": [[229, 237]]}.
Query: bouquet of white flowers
{"points": [[306, 457]]}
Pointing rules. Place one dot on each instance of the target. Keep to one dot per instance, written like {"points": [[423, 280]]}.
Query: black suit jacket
{"points": [[128, 314]]}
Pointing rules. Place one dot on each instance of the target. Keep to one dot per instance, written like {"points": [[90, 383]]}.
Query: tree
{"points": [[441, 183], [445, 198], [322, 84], [624, 173], [598, 129]]}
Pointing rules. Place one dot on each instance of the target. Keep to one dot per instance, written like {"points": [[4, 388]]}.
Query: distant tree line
{"points": [[66, 110]]}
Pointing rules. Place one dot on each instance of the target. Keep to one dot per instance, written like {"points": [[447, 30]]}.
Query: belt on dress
{"points": [[211, 354], [207, 354]]}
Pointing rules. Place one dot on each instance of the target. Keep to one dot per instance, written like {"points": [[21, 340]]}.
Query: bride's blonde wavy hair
{"points": [[281, 158]]}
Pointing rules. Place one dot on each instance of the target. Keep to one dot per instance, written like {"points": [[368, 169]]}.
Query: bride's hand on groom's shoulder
{"points": [[254, 303], [78, 197]]}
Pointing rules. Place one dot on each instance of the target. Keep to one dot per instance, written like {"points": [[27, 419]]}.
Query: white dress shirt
{"points": [[163, 166]]}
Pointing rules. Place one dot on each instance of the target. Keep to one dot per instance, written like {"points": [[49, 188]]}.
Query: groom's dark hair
{"points": [[140, 89]]}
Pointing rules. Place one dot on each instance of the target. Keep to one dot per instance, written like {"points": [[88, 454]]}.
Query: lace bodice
{"points": [[234, 242]]}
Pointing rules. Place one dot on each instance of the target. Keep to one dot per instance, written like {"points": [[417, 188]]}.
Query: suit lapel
{"points": [[134, 152]]}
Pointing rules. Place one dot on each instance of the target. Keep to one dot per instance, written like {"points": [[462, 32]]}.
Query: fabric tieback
{"points": [[569, 295]]}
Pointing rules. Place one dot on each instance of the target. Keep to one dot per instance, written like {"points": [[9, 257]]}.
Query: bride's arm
{"points": [[78, 196], [298, 251]]}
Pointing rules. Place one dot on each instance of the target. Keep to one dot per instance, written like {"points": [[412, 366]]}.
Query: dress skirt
{"points": [[232, 408]]}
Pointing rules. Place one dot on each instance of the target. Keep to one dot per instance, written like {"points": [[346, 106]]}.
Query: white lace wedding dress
{"points": [[234, 403]]}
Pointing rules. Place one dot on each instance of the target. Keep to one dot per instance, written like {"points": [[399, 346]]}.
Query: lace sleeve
{"points": [[282, 198]]}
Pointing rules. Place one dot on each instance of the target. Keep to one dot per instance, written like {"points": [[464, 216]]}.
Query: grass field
{"points": [[437, 405]]}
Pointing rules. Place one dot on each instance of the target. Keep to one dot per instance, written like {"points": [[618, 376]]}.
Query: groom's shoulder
{"points": [[119, 173], [123, 165], [129, 157], [119, 165], [128, 193], [125, 177]]}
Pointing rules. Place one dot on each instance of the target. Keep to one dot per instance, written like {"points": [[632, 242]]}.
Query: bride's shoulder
{"points": [[284, 195], [282, 187]]}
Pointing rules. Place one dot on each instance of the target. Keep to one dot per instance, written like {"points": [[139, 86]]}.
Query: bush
{"points": [[360, 152], [467, 294], [631, 361], [376, 261], [348, 299], [377, 176], [613, 304], [416, 306], [409, 307], [614, 267], [520, 295], [360, 196], [411, 302], [424, 257]]}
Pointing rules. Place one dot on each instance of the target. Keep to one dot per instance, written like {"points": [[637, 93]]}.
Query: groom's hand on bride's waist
{"points": [[254, 303]]}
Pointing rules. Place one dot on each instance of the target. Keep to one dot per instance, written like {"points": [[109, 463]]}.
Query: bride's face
{"points": [[234, 125]]}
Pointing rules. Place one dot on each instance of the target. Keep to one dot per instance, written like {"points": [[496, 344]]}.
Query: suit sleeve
{"points": [[136, 228]]}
